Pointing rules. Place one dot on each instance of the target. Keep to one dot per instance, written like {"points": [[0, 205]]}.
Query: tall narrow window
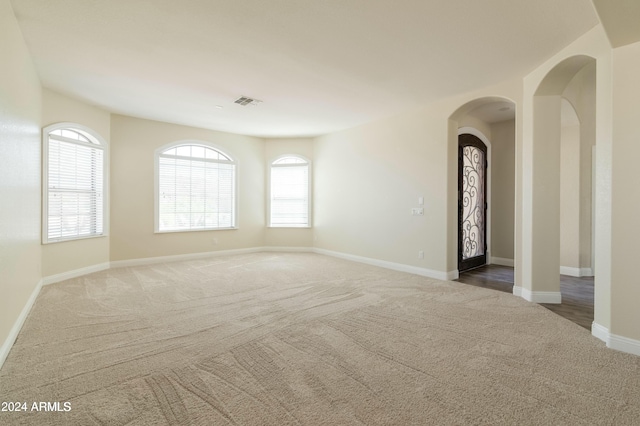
{"points": [[289, 201], [73, 183], [196, 189]]}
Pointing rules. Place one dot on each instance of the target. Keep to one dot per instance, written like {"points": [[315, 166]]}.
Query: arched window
{"points": [[290, 204], [196, 188], [73, 183]]}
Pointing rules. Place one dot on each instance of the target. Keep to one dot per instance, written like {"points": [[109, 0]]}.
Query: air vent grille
{"points": [[244, 101]]}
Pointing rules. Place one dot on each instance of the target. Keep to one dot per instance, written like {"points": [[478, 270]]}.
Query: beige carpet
{"points": [[288, 339]]}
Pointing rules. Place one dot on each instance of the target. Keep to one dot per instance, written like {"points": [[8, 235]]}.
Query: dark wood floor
{"points": [[577, 293]]}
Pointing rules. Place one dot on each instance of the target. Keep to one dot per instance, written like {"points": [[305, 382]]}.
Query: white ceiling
{"points": [[494, 112], [318, 66], [620, 19]]}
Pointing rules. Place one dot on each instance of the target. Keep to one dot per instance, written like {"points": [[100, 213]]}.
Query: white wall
{"points": [[20, 110], [503, 180], [570, 196], [370, 177], [476, 123], [625, 288], [69, 256], [133, 142], [581, 93], [545, 270]]}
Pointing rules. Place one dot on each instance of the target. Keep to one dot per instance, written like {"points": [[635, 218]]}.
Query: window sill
{"points": [[194, 230], [67, 240]]}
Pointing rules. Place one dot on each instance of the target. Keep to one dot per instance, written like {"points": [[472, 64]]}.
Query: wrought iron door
{"points": [[472, 205]]}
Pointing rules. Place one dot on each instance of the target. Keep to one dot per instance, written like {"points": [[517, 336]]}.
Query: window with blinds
{"points": [[289, 200], [196, 189], [73, 187]]}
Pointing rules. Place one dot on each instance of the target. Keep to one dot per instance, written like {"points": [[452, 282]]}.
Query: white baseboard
{"points": [[538, 296], [502, 261], [279, 249], [613, 341], [576, 272], [17, 326], [564, 270], [451, 275], [600, 332], [624, 344], [51, 279], [390, 265], [179, 257]]}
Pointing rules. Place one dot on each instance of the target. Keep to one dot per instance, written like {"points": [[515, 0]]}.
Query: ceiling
{"points": [[494, 112], [620, 20], [318, 66]]}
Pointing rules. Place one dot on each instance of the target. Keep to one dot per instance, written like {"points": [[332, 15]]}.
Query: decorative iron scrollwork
{"points": [[473, 170]]}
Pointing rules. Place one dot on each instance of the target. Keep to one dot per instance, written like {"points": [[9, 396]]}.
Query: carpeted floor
{"points": [[286, 339]]}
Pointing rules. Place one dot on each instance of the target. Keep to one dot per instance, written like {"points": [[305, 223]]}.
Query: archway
{"points": [[492, 120], [572, 79]]}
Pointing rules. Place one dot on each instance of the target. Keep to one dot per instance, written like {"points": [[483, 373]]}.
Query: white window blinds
{"points": [[74, 188], [196, 189], [289, 203]]}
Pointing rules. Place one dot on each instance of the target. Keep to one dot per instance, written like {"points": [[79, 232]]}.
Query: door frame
{"points": [[487, 144]]}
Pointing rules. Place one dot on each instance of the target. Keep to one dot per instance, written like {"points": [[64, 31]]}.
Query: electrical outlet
{"points": [[214, 241], [420, 254]]}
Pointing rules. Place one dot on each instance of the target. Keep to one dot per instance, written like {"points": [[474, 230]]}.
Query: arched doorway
{"points": [[572, 79], [472, 202], [492, 120]]}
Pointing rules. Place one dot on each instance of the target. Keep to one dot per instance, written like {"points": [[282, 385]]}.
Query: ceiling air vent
{"points": [[244, 101]]}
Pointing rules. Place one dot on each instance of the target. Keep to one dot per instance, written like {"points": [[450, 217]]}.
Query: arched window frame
{"points": [[99, 177], [161, 152], [281, 162]]}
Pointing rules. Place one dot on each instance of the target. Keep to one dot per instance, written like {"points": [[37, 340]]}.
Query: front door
{"points": [[472, 202]]}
